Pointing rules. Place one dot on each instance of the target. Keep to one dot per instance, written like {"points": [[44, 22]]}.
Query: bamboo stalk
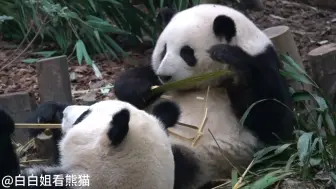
{"points": [[37, 125]]}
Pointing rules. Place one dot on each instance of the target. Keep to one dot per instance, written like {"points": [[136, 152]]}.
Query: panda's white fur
{"points": [[96, 143], [139, 162], [72, 113], [207, 38]]}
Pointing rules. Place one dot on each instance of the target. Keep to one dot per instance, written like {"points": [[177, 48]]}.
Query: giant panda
{"points": [[116, 144], [208, 38]]}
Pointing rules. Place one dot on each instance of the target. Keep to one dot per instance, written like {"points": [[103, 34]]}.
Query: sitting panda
{"points": [[208, 38], [116, 144]]}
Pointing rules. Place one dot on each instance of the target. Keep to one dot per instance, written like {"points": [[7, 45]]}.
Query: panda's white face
{"points": [[181, 49], [116, 144]]}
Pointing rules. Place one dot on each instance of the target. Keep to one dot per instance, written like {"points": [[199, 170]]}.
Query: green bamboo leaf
{"points": [[81, 51], [107, 48], [333, 176], [179, 6], [113, 44], [296, 77], [292, 63], [190, 81], [313, 146], [294, 71], [196, 2], [58, 38], [80, 47], [323, 106], [183, 4], [321, 145], [105, 90], [282, 148], [302, 96], [304, 146], [261, 156], [104, 26], [45, 54], [95, 44], [305, 95], [269, 179], [151, 6], [118, 18], [319, 122], [234, 177], [96, 33], [261, 153], [330, 124], [30, 60], [161, 3], [315, 161], [114, 2], [290, 161], [96, 70], [87, 58], [92, 5]]}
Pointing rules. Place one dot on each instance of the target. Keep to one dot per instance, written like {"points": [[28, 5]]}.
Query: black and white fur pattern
{"points": [[208, 38], [116, 144]]}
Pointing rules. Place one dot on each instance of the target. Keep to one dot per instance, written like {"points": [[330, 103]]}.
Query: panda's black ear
{"points": [[165, 15], [119, 127], [224, 26], [167, 112]]}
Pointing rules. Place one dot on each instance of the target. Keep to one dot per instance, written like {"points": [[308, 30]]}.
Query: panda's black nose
{"points": [[165, 78]]}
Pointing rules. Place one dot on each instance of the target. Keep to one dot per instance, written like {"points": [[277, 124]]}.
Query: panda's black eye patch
{"points": [[187, 54], [163, 53], [82, 116]]}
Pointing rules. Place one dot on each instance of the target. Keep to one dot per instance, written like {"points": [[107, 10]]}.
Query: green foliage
{"points": [[190, 81], [87, 27], [313, 152]]}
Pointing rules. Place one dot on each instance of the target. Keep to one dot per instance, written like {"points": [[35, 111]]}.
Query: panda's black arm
{"points": [[48, 112], [269, 120], [9, 163], [134, 86]]}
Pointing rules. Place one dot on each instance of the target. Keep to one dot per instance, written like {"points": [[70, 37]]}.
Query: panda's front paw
{"points": [[228, 54], [136, 92], [49, 112], [7, 124]]}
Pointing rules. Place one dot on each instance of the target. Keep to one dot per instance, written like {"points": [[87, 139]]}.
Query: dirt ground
{"points": [[311, 27]]}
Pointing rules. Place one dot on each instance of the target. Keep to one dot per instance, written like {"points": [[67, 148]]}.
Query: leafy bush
{"points": [[85, 26]]}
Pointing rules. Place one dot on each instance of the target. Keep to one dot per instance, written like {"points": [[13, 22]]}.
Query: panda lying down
{"points": [[116, 144]]}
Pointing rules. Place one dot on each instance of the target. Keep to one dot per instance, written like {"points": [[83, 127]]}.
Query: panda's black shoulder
{"points": [[268, 55]]}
